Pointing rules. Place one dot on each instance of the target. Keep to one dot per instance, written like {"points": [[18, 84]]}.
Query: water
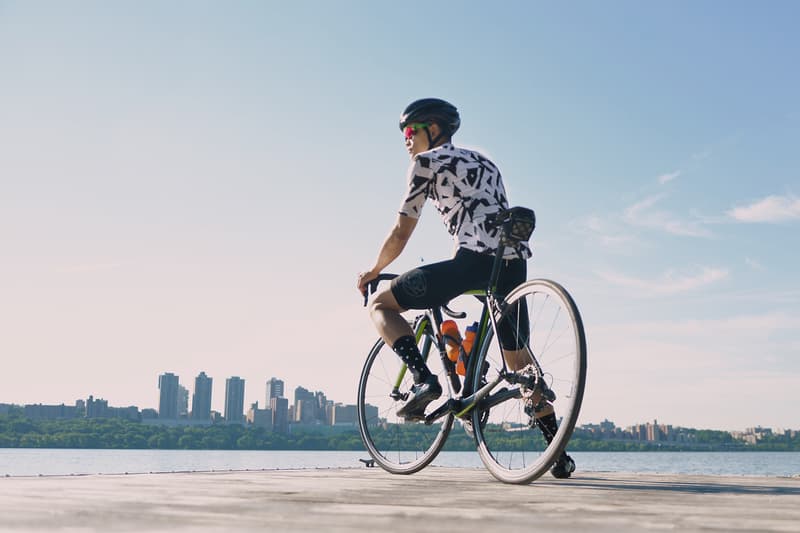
{"points": [[57, 462]]}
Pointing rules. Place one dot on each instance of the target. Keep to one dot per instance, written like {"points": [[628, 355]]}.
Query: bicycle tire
{"points": [[396, 446], [511, 447]]}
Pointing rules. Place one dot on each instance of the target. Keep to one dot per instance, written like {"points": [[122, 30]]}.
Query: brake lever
{"points": [[372, 286]]}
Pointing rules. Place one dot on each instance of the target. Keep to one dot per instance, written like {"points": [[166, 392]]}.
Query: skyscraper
{"points": [[305, 403], [183, 401], [201, 400], [274, 389], [234, 400], [168, 396], [280, 414]]}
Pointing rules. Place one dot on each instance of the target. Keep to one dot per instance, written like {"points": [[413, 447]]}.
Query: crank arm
{"points": [[450, 406]]}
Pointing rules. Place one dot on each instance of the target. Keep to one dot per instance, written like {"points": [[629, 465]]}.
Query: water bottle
{"points": [[466, 348], [469, 337], [452, 341]]}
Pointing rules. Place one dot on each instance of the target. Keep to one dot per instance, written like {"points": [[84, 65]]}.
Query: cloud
{"points": [[754, 264], [666, 178], [668, 283], [603, 231], [614, 230], [645, 214], [770, 209]]}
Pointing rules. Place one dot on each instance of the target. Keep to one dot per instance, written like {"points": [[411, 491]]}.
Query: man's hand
{"points": [[363, 280]]}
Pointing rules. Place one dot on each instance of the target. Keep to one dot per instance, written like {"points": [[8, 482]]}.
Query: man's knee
{"points": [[382, 302]]}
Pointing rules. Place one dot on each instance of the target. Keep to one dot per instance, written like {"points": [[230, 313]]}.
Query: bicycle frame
{"points": [[490, 311]]}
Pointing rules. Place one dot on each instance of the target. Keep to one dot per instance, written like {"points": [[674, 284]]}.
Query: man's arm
{"points": [[391, 249]]}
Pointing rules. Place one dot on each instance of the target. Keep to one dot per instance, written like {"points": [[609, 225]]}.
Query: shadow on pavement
{"points": [[699, 487]]}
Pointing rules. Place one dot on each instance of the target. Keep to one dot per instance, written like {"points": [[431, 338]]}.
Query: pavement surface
{"points": [[369, 499]]}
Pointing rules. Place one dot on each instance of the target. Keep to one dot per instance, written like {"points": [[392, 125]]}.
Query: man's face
{"points": [[416, 139]]}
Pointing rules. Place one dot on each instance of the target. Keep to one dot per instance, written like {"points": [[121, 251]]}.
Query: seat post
{"points": [[498, 259]]}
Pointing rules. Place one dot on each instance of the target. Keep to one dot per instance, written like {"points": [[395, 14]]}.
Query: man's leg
{"points": [[541, 412], [385, 312], [395, 331]]}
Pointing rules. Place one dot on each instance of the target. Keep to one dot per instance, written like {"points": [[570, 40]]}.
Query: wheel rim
{"points": [[397, 446], [512, 449]]}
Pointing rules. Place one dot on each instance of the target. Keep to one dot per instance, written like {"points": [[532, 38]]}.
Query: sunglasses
{"points": [[411, 130]]}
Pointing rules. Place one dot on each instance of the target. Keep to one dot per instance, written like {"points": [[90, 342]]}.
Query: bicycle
{"points": [[495, 403]]}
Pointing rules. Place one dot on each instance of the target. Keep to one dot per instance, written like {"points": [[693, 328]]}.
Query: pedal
{"points": [[398, 396]]}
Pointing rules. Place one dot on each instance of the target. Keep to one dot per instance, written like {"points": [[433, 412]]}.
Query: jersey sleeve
{"points": [[419, 183]]}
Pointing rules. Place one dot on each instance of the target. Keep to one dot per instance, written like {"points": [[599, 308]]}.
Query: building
{"points": [[97, 408], [183, 402], [344, 415], [149, 414], [320, 406], [280, 414], [168, 396], [51, 411], [274, 389], [305, 406], [234, 400], [201, 400], [261, 418], [347, 415], [371, 415]]}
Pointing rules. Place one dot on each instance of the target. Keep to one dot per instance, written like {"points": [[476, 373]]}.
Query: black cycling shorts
{"points": [[436, 284]]}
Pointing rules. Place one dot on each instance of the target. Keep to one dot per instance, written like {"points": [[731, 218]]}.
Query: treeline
{"points": [[16, 431], [99, 433]]}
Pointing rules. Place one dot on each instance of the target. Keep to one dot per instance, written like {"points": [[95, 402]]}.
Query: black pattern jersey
{"points": [[465, 187]]}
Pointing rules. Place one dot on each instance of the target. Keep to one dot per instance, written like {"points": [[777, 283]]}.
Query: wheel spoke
{"points": [[511, 444], [397, 446]]}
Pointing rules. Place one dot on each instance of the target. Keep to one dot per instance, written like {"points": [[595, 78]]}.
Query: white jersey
{"points": [[465, 187]]}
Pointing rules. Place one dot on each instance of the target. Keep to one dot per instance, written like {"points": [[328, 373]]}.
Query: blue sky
{"points": [[193, 186]]}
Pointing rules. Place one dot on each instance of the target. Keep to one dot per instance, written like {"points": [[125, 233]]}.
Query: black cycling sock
{"points": [[406, 348], [549, 426]]}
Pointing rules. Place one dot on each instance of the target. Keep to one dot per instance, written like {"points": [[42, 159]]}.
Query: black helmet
{"points": [[432, 110]]}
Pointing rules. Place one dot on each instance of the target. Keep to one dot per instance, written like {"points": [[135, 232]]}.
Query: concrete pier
{"points": [[369, 499]]}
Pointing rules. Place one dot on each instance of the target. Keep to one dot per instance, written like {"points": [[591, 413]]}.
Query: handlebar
{"points": [[372, 286]]}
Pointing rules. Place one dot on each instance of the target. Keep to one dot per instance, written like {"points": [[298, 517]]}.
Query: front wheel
{"points": [[398, 446], [549, 330]]}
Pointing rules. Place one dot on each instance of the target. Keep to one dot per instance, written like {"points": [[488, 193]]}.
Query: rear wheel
{"points": [[548, 324], [398, 446]]}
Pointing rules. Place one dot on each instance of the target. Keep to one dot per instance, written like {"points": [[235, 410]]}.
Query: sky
{"points": [[194, 186]]}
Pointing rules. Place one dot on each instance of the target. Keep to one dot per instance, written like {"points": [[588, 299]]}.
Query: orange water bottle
{"points": [[452, 341], [466, 348]]}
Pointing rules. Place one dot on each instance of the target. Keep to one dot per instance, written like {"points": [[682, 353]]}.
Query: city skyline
{"points": [[647, 431], [605, 429], [189, 186]]}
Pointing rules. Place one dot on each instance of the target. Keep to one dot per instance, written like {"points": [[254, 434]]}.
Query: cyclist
{"points": [[466, 188]]}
